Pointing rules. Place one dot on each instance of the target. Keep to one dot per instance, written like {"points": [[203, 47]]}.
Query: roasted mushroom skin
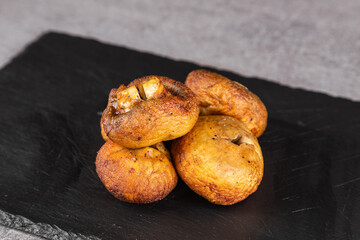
{"points": [[149, 121], [142, 175], [103, 134], [219, 159], [219, 95]]}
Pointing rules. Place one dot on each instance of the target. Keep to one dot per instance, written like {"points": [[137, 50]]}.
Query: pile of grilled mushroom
{"points": [[216, 154]]}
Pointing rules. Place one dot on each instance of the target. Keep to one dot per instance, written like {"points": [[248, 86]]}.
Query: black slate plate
{"points": [[51, 96]]}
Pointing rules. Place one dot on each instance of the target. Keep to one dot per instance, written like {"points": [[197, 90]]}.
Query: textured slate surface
{"points": [[51, 98]]}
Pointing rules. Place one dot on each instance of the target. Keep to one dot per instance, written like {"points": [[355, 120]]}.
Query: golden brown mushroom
{"points": [[219, 95], [149, 110], [219, 159], [142, 175]]}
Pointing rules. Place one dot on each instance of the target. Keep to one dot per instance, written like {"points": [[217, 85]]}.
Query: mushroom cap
{"points": [[153, 120], [219, 95], [142, 175], [219, 159]]}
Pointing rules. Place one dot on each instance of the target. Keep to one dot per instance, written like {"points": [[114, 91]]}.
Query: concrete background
{"points": [[309, 44]]}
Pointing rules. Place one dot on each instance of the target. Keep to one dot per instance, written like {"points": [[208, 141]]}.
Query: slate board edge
{"points": [[40, 230], [220, 70]]}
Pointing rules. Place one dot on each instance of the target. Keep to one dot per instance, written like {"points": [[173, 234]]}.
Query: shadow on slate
{"points": [[51, 98]]}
